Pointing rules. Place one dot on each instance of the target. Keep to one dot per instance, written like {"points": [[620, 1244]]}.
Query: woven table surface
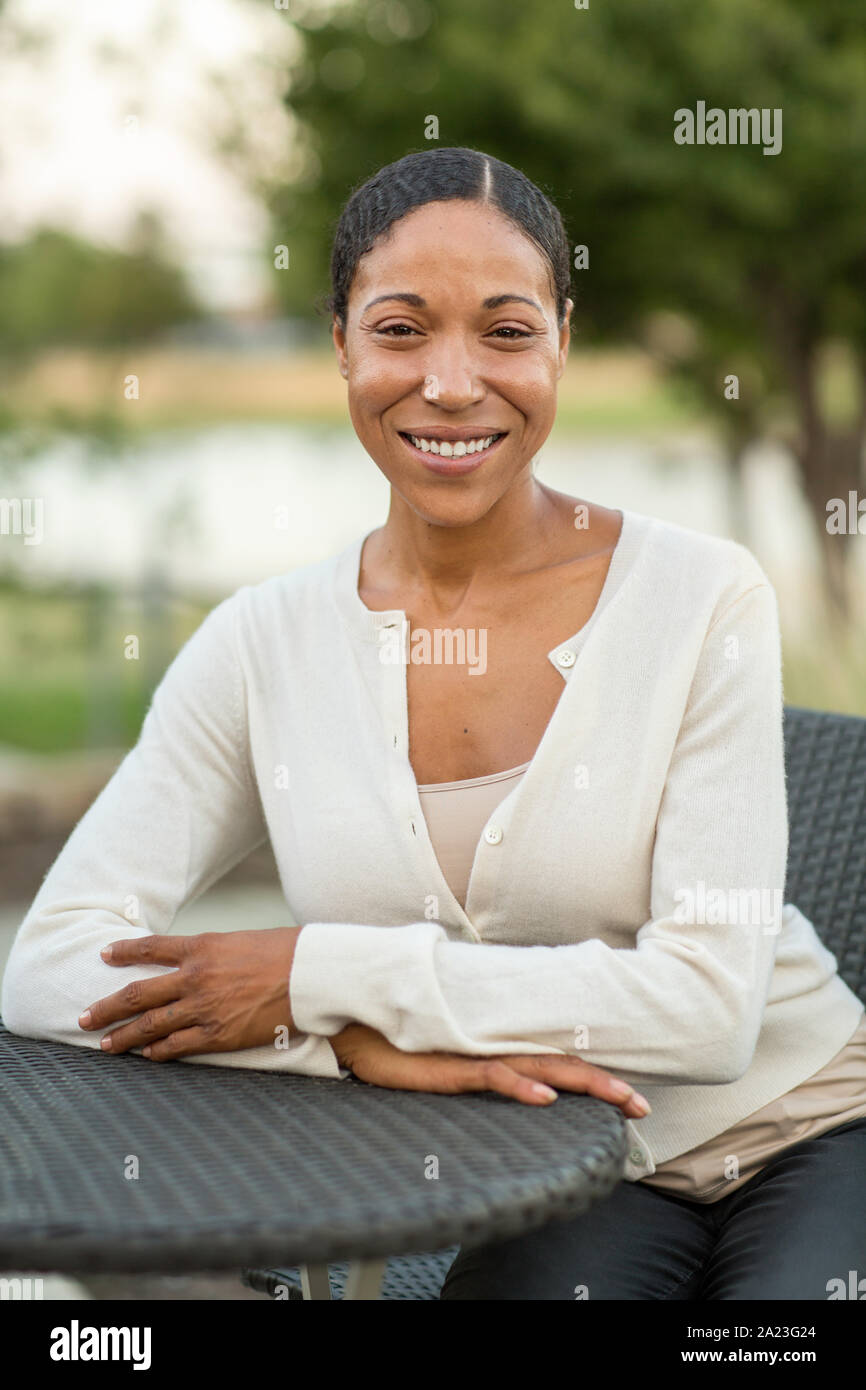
{"points": [[240, 1167]]}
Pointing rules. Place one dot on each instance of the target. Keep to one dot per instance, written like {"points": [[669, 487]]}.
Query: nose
{"points": [[451, 379]]}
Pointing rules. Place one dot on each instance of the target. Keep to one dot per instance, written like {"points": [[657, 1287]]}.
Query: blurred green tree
{"points": [[60, 291], [721, 259]]}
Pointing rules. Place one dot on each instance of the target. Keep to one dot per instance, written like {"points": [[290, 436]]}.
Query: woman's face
{"points": [[451, 337]]}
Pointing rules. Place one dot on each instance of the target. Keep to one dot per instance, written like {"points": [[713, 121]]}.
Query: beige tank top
{"points": [[456, 813]]}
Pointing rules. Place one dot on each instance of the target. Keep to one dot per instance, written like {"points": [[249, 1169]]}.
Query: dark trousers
{"points": [[785, 1234]]}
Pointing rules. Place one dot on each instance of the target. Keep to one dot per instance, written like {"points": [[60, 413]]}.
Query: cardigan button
{"points": [[493, 834], [566, 658]]}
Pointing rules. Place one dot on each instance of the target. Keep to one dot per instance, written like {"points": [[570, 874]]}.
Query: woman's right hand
{"points": [[527, 1077]]}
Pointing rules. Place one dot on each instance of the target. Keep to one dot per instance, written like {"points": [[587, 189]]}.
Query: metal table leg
{"points": [[365, 1279], [315, 1282]]}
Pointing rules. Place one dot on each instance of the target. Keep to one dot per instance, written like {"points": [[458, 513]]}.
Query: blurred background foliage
{"points": [[57, 290], [717, 260]]}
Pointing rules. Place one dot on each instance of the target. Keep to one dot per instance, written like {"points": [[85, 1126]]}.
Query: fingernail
{"points": [[145, 1051], [642, 1104], [541, 1090], [106, 1043], [84, 1018], [106, 953]]}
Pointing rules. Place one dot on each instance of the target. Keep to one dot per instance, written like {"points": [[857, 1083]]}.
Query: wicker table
{"points": [[122, 1164]]}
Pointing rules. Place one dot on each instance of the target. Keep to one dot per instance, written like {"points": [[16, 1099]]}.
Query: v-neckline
{"points": [[368, 622]]}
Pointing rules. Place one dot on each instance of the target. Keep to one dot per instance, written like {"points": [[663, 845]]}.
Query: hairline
{"points": [[485, 199]]}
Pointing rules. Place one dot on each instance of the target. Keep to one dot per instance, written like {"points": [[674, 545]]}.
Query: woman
{"points": [[520, 758]]}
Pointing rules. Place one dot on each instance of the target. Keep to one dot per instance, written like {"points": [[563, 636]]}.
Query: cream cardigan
{"points": [[625, 902]]}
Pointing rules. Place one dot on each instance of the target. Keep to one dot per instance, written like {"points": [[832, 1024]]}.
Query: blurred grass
{"points": [[60, 690], [599, 392], [52, 716]]}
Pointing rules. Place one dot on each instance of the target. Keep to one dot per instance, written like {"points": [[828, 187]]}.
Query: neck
{"points": [[442, 563]]}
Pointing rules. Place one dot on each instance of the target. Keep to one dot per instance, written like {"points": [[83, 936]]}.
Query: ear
{"points": [[565, 337], [339, 340]]}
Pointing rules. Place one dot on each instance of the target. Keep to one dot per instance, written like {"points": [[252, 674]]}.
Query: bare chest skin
{"points": [[464, 724]]}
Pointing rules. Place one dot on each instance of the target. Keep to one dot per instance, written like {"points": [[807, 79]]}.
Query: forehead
{"points": [[451, 246]]}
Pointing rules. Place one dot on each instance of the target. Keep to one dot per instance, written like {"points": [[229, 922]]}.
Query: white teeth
{"points": [[456, 449]]}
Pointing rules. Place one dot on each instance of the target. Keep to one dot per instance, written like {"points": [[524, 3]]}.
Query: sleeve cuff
{"points": [[342, 973]]}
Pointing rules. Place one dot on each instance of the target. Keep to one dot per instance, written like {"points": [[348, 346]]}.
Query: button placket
{"points": [[395, 717], [397, 703]]}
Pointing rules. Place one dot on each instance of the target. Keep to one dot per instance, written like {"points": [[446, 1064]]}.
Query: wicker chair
{"points": [[825, 759]]}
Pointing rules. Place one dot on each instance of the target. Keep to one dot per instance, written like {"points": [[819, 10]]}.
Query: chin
{"points": [[452, 513]]}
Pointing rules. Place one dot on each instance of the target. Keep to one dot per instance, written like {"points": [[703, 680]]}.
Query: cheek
{"points": [[377, 380], [369, 400], [529, 383]]}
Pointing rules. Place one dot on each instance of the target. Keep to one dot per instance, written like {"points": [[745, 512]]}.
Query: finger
{"points": [[573, 1074], [155, 949], [377, 1062], [185, 1043], [151, 1027], [134, 998], [496, 1075]]}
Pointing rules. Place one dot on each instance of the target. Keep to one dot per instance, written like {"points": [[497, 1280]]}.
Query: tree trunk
{"points": [[830, 463]]}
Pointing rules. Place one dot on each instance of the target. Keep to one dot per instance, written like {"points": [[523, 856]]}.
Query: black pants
{"points": [[785, 1234]]}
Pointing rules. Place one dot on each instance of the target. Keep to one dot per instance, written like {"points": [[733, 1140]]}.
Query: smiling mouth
{"points": [[452, 448], [452, 458]]}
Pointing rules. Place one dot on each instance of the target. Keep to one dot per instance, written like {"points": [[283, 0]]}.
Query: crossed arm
{"points": [[227, 992]]}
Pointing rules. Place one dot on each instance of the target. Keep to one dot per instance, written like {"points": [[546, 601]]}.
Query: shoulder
{"points": [[284, 607], [712, 571]]}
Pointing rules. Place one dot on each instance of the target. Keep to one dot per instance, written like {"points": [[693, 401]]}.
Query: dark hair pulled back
{"points": [[437, 175]]}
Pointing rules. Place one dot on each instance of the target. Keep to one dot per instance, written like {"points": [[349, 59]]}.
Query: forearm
{"points": [[426, 993]]}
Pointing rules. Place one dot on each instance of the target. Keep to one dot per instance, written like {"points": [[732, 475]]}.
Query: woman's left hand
{"points": [[229, 990]]}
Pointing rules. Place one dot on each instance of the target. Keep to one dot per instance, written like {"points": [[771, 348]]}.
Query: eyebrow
{"points": [[493, 302]]}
